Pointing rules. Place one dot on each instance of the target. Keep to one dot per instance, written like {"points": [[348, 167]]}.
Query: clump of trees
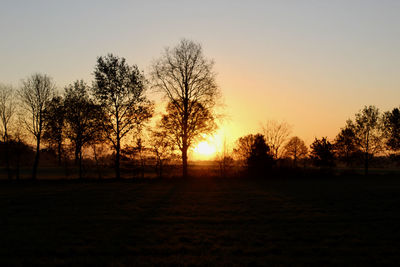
{"points": [[115, 108], [108, 118]]}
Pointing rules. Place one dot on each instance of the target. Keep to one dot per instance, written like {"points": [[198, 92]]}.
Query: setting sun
{"points": [[204, 149]]}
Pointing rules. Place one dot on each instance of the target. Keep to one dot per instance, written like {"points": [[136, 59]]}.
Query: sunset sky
{"points": [[311, 63]]}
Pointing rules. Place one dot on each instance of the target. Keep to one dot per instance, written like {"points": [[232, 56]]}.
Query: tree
{"points": [[243, 147], [163, 149], [7, 112], [276, 134], [295, 149], [53, 124], [391, 123], [224, 159], [260, 158], [367, 129], [120, 89], [322, 153], [345, 145], [83, 119], [187, 79], [35, 94]]}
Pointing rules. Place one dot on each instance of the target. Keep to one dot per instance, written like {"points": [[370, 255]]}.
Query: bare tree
{"points": [[187, 79], [367, 128], [7, 112], [276, 134], [295, 149], [224, 159], [120, 89], [36, 92]]}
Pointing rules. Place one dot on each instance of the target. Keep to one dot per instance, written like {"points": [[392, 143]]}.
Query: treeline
{"points": [[369, 135], [112, 112]]}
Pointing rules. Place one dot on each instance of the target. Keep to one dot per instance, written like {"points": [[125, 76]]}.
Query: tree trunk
{"points": [[117, 159], [59, 153], [366, 164], [7, 156], [80, 165], [184, 161], [36, 161]]}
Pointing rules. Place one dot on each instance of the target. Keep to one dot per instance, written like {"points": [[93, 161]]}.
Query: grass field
{"points": [[201, 221]]}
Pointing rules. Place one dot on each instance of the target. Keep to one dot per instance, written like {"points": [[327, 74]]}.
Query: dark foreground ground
{"points": [[348, 221]]}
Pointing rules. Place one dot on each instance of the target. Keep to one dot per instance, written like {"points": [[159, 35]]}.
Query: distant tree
{"points": [[7, 112], [36, 92], [224, 159], [276, 134], [53, 125], [187, 79], [243, 147], [260, 158], [322, 153], [83, 119], [163, 149], [367, 129], [391, 123], [120, 89], [296, 149], [345, 145]]}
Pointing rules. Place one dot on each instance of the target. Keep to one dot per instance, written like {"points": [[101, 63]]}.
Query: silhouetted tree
{"points": [[162, 147], [260, 158], [83, 119], [367, 129], [276, 134], [224, 159], [54, 124], [36, 92], [345, 145], [186, 77], [120, 89], [296, 149], [7, 112], [322, 153], [391, 123], [243, 147]]}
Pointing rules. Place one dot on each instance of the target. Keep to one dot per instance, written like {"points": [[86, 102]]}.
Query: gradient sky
{"points": [[311, 63]]}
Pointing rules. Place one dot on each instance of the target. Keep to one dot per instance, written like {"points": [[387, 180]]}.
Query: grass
{"points": [[201, 221]]}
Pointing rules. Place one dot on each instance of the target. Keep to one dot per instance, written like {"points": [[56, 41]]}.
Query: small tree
{"points": [[53, 125], [391, 123], [36, 92], [276, 134], [120, 89], [296, 149], [322, 153], [163, 149], [367, 129], [187, 79], [243, 147], [7, 112], [224, 159], [345, 145], [260, 158]]}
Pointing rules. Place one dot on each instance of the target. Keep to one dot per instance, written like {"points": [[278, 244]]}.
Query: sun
{"points": [[204, 149]]}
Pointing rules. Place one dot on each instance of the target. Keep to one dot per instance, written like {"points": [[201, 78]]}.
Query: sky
{"points": [[313, 64]]}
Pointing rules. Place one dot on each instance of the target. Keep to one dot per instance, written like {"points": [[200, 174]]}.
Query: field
{"points": [[201, 221]]}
